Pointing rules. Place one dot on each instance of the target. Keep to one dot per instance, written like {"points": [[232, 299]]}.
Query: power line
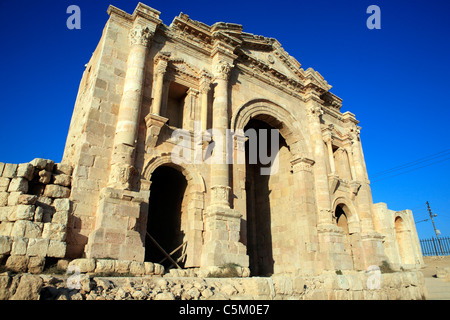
{"points": [[413, 163], [411, 170]]}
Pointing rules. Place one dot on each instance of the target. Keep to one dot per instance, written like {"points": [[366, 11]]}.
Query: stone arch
{"points": [[404, 239], [278, 117], [350, 211], [194, 178], [265, 222], [196, 200]]}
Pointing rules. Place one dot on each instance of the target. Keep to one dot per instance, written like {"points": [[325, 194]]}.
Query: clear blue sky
{"points": [[396, 80]]}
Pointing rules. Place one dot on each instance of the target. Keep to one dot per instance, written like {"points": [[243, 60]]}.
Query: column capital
{"points": [[205, 82], [302, 164], [140, 35], [161, 63], [222, 70], [314, 112]]}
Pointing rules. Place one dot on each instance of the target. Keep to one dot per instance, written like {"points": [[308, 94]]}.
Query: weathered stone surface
{"points": [[60, 217], [44, 176], [9, 171], [84, 265], [27, 199], [63, 168], [55, 191], [18, 185], [61, 204], [165, 296], [17, 263], [105, 266], [5, 245], [43, 164], [37, 247], [24, 212], [36, 264], [62, 180], [25, 170], [56, 249], [19, 246], [4, 184], [29, 288], [54, 231], [3, 198]]}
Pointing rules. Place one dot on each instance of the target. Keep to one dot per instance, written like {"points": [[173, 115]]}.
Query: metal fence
{"points": [[435, 247]]}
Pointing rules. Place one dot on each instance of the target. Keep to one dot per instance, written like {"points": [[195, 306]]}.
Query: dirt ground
{"points": [[437, 288]]}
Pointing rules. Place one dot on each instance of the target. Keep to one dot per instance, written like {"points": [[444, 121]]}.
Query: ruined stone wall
{"points": [[351, 286], [34, 213]]}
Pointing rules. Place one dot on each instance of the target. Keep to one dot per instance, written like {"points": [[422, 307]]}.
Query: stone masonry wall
{"points": [[34, 213]]}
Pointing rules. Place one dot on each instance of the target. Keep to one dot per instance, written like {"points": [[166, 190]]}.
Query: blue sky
{"points": [[395, 80]]}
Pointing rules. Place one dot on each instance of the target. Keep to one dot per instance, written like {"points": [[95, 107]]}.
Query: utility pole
{"points": [[434, 226]]}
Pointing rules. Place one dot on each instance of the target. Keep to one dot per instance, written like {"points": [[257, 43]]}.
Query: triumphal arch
{"points": [[212, 93]]}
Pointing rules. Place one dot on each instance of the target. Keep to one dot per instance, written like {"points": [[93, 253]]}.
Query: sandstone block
{"points": [[19, 246], [62, 179], [105, 266], [6, 228], [18, 185], [5, 244], [19, 228], [27, 199], [137, 268], [54, 231], [25, 170], [63, 168], [13, 198], [43, 164], [60, 217], [17, 263], [24, 212], [55, 191], [38, 214], [37, 247], [2, 165], [29, 288], [36, 264], [45, 176], [122, 266], [3, 198], [149, 268], [9, 171], [4, 183], [56, 249], [32, 229], [61, 204], [84, 265]]}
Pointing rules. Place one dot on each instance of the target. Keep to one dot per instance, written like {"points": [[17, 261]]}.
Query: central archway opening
{"points": [[265, 204], [166, 208]]}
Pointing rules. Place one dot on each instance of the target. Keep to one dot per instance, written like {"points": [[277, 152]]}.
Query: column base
{"points": [[115, 236], [222, 236]]}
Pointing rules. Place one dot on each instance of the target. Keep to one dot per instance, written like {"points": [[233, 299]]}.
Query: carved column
{"points": [[329, 142], [222, 224], [122, 162], [205, 85], [220, 169], [305, 214], [314, 111], [373, 251], [160, 70]]}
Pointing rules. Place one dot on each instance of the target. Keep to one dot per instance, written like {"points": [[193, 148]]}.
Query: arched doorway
{"points": [[342, 216], [268, 197], [167, 209]]}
